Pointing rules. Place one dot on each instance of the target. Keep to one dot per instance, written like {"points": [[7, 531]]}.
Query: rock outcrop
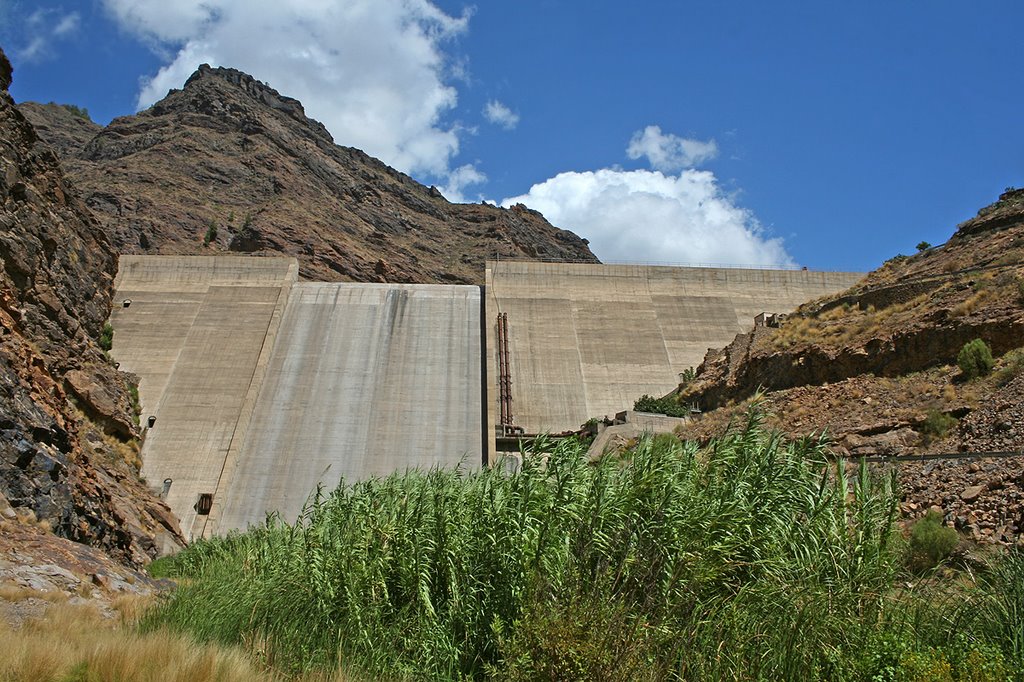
{"points": [[912, 314], [228, 163], [68, 436], [875, 368]]}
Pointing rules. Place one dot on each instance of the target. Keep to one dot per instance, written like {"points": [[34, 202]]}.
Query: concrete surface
{"points": [[262, 387], [194, 333], [588, 340], [365, 380], [635, 424]]}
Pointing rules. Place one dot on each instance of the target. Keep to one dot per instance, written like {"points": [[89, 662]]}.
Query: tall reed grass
{"points": [[752, 558]]}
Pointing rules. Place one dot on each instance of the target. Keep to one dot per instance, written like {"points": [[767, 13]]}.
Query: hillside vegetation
{"points": [[750, 558]]}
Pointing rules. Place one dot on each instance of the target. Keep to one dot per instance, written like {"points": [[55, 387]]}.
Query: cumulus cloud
{"points": [[648, 216], [667, 152], [45, 26], [499, 114], [458, 180], [373, 71]]}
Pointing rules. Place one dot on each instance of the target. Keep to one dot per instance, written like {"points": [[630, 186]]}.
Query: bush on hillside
{"points": [[80, 112], [1012, 367], [930, 542], [211, 233], [106, 340], [937, 424], [666, 406], [975, 359]]}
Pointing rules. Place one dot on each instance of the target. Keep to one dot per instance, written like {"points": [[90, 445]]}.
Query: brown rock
{"points": [[336, 209], [56, 385], [972, 493], [5, 71]]}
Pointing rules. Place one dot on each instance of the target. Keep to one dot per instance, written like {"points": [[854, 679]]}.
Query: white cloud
{"points": [[667, 152], [68, 24], [458, 180], [373, 71], [42, 28], [499, 114], [647, 216]]}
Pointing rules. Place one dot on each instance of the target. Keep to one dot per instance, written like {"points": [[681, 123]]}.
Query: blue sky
{"points": [[832, 135]]}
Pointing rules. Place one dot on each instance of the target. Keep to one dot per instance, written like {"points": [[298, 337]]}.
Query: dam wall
{"points": [[262, 387], [198, 332], [256, 388], [587, 340], [365, 380]]}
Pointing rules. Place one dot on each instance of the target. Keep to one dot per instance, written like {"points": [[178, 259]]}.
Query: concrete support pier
{"points": [[195, 331]]}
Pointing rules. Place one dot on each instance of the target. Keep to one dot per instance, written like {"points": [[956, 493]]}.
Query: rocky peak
{"points": [[5, 71], [237, 98], [1006, 211], [227, 163]]}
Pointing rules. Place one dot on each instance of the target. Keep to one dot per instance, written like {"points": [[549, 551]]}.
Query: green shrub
{"points": [[106, 340], [133, 396], [975, 359], [666, 406], [1020, 289], [211, 233], [1000, 613], [80, 112], [930, 542], [937, 424], [586, 637], [923, 246], [1012, 366], [898, 258]]}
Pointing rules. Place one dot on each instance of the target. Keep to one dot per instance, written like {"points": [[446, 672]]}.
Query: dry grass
{"points": [[76, 644], [974, 302], [843, 325], [15, 593]]}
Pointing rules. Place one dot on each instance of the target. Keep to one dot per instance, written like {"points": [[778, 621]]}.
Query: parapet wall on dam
{"points": [[263, 387]]}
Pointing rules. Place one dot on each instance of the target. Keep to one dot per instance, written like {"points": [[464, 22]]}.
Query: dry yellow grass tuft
{"points": [[15, 593], [973, 303], [842, 325], [75, 643]]}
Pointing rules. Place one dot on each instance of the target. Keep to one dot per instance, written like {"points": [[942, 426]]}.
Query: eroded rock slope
{"points": [[68, 435], [229, 164]]}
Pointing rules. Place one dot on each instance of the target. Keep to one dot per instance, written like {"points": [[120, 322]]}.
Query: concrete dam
{"points": [[256, 388]]}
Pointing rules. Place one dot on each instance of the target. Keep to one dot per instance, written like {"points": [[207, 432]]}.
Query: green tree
{"points": [[975, 359]]}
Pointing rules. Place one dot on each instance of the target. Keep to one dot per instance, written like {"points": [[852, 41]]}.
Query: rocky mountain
{"points": [[229, 164], [65, 128], [68, 432], [876, 368]]}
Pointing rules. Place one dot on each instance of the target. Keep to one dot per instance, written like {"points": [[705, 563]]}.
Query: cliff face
{"points": [[68, 437], [912, 314], [876, 368], [229, 164], [66, 129]]}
